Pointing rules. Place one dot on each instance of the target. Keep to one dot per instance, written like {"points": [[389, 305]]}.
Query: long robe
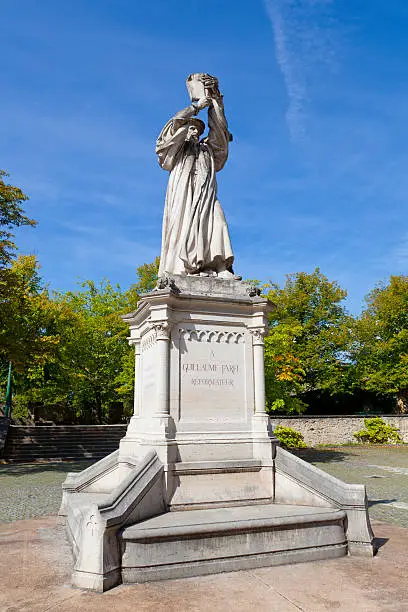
{"points": [[195, 233]]}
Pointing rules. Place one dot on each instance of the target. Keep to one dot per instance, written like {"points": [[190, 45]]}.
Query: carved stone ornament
{"points": [[213, 335], [162, 329], [258, 335], [165, 282], [253, 291]]}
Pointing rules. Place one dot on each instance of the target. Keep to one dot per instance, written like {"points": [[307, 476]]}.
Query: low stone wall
{"points": [[335, 429]]}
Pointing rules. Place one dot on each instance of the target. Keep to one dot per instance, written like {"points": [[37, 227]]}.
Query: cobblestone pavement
{"points": [[33, 490], [383, 469]]}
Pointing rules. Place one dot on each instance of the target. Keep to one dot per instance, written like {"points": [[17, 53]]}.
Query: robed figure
{"points": [[195, 236]]}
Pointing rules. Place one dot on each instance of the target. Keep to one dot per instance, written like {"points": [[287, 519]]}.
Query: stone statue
{"points": [[195, 237]]}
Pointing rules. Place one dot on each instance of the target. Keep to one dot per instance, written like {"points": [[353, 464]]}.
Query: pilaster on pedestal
{"points": [[151, 424], [263, 436], [163, 331]]}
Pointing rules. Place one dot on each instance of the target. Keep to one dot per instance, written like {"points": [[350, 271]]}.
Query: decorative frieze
{"points": [[213, 335]]}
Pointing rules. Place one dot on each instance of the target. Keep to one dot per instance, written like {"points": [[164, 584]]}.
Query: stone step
{"points": [[68, 442], [64, 444], [196, 542], [74, 457]]}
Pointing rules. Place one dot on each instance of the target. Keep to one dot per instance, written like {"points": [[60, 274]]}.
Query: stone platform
{"points": [[199, 454], [198, 542]]}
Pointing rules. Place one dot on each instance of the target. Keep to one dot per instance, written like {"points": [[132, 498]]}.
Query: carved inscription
{"points": [[212, 371], [212, 374]]}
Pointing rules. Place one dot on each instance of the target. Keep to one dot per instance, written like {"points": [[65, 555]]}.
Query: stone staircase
{"points": [[123, 530], [61, 442]]}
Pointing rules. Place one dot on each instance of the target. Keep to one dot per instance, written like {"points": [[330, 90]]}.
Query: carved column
{"points": [[259, 370], [162, 329]]}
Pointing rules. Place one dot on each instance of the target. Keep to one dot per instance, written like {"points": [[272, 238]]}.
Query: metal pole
{"points": [[7, 411]]}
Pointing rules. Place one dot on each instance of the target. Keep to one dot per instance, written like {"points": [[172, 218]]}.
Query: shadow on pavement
{"points": [[321, 455], [379, 542], [22, 469], [375, 502]]}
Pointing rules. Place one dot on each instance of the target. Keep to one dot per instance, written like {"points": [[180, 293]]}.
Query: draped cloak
{"points": [[195, 233]]}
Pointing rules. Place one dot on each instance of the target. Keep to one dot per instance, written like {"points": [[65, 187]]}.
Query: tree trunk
{"points": [[98, 401], [402, 402]]}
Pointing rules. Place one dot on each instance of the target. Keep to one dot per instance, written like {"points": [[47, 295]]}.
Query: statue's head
{"points": [[196, 127]]}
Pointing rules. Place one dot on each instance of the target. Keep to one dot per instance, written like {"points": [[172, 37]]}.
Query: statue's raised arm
{"points": [[195, 237], [177, 131], [218, 135]]}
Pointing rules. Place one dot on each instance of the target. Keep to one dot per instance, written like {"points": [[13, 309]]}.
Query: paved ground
{"points": [[31, 490], [383, 469], [35, 563], [35, 567]]}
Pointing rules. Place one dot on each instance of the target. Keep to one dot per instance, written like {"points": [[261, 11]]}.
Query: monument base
{"points": [[199, 483]]}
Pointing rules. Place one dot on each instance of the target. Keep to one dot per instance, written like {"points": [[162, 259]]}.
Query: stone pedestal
{"points": [[200, 392], [199, 483]]}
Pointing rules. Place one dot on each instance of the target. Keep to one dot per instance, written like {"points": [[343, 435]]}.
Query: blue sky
{"points": [[316, 95]]}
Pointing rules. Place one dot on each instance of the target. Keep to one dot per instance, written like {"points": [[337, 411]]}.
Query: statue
{"points": [[195, 237]]}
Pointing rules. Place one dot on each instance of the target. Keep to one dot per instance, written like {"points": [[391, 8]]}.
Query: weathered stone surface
{"points": [[299, 482], [182, 544], [209, 286]]}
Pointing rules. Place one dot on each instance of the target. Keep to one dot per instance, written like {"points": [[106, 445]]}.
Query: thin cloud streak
{"points": [[295, 87], [302, 44], [400, 254]]}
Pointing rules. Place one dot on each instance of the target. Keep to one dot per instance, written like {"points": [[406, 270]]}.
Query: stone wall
{"points": [[335, 429]]}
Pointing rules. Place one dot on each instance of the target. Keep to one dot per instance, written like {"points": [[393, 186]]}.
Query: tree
{"points": [[310, 332], [25, 313], [11, 215], [29, 336], [89, 374], [284, 372], [147, 277], [94, 348], [381, 346], [78, 380]]}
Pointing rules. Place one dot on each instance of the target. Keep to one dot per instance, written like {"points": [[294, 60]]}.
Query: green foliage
{"points": [[310, 332], [377, 431], [288, 437], [79, 379], [283, 372], [381, 341], [147, 277], [94, 347], [21, 409], [11, 215], [26, 314]]}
